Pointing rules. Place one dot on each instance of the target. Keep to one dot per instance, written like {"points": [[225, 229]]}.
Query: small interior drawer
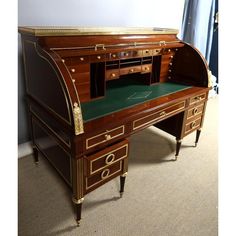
{"points": [[146, 68], [130, 70], [106, 157], [191, 126], [112, 74], [195, 111], [197, 99], [104, 137]]}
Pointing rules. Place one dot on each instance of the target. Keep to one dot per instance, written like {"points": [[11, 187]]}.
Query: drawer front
{"points": [[195, 111], [197, 99], [146, 68], [191, 126], [130, 70], [159, 115], [104, 136], [112, 74], [108, 156], [103, 176]]}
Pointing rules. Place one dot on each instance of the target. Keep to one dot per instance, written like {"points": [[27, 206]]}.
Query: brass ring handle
{"points": [[195, 110], [110, 158], [107, 136], [198, 98], [105, 173], [193, 124]]}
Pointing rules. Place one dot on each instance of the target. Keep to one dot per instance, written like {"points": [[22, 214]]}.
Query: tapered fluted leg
{"points": [[78, 204], [197, 137], [122, 183], [178, 145], [36, 155]]}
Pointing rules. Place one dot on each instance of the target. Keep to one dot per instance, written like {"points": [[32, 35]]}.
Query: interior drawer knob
{"points": [[114, 55], [105, 173], [113, 75], [81, 58], [73, 70], [98, 57], [146, 68], [126, 54], [107, 136], [110, 158], [131, 70]]}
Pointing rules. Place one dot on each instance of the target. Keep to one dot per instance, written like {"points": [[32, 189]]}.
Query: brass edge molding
{"points": [[69, 114], [78, 120], [71, 31], [119, 159], [77, 201], [90, 146], [158, 118]]}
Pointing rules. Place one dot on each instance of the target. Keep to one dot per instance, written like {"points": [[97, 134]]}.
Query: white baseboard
{"points": [[25, 149]]}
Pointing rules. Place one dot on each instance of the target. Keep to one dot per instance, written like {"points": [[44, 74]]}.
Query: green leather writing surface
{"points": [[124, 93]]}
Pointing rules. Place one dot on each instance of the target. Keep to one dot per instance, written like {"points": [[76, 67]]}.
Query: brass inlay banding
{"points": [[86, 180], [109, 153], [162, 114], [105, 139]]}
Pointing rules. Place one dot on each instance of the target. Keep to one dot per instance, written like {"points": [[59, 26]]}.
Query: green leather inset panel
{"points": [[124, 93]]}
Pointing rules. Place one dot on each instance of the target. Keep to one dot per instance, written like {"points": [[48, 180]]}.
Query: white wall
{"points": [[158, 13]]}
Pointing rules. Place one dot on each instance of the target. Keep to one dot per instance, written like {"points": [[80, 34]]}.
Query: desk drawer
{"points": [[197, 99], [108, 156], [195, 111], [112, 74], [104, 137], [191, 126], [130, 70], [161, 114], [101, 177]]}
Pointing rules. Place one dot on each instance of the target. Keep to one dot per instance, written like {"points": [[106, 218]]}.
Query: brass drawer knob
{"points": [[126, 54], [81, 58], [171, 57], [110, 158], [105, 173], [114, 55], [107, 136], [73, 70], [98, 57], [193, 124], [147, 51], [163, 113], [113, 75], [131, 70], [195, 110], [146, 68], [63, 60]]}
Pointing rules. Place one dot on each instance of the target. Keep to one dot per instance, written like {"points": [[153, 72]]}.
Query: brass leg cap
{"points": [[78, 223], [121, 194]]}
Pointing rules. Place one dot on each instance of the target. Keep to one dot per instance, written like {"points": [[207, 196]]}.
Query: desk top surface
{"points": [[73, 31], [125, 93]]}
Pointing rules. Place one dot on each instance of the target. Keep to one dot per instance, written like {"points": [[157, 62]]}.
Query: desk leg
{"points": [[36, 155], [122, 183], [178, 145], [78, 204], [197, 136]]}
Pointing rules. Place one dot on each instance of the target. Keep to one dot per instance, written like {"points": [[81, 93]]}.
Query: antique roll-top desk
{"points": [[89, 89]]}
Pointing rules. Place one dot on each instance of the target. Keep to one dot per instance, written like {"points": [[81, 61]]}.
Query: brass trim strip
{"points": [[86, 179], [56, 134], [91, 162], [87, 140], [73, 31], [134, 44], [160, 117]]}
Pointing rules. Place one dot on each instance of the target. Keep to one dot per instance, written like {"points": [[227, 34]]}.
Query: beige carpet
{"points": [[162, 198]]}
